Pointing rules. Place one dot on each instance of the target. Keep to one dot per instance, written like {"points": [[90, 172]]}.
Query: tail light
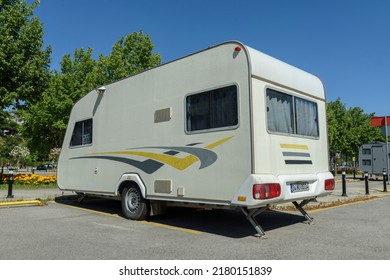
{"points": [[329, 184], [266, 191]]}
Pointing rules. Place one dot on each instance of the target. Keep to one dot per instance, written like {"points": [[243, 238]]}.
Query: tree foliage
{"points": [[24, 64], [130, 55], [47, 119], [348, 129], [24, 67]]}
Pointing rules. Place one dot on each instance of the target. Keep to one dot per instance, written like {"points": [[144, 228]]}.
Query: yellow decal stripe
{"points": [[215, 144], [294, 146], [178, 163]]}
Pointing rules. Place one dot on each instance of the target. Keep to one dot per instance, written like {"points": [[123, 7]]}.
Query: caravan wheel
{"points": [[134, 206]]}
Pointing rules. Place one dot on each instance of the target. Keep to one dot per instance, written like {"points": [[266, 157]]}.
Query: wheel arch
{"points": [[131, 179]]}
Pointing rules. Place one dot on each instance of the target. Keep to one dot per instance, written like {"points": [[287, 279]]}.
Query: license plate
{"points": [[299, 187]]}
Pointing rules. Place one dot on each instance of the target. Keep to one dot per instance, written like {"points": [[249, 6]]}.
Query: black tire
{"points": [[134, 206]]}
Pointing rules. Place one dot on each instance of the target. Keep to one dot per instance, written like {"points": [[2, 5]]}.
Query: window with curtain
{"points": [[82, 133], [279, 112], [306, 117], [212, 109], [291, 115]]}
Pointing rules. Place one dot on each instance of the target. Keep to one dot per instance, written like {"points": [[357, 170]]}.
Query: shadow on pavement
{"points": [[228, 223]]}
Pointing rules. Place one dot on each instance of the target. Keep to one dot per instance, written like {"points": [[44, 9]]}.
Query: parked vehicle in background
{"points": [[372, 158], [45, 167]]}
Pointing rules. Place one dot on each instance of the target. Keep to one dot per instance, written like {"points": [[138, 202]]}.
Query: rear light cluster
{"points": [[266, 191], [329, 184]]}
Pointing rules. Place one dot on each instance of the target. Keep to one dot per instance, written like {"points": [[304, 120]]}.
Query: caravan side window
{"points": [[82, 133], [366, 162], [291, 115], [214, 109]]}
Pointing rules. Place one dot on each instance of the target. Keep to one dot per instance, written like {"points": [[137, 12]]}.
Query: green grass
{"points": [[15, 186]]}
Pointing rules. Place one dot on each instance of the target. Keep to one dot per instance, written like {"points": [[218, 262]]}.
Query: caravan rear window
{"points": [[291, 115], [213, 109], [82, 133]]}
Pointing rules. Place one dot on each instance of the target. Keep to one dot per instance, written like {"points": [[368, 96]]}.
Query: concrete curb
{"points": [[21, 203]]}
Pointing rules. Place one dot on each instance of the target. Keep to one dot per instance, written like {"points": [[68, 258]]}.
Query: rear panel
{"points": [[289, 144], [289, 131]]}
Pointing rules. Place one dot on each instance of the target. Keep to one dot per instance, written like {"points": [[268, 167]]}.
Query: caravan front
{"points": [[225, 127]]}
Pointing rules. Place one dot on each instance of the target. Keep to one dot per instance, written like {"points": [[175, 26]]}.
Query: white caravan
{"points": [[225, 127]]}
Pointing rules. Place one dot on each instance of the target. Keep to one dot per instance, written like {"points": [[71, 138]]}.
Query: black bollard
{"points": [[384, 180], [10, 182], [366, 183], [344, 184]]}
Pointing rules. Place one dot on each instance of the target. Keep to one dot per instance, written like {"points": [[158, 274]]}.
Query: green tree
{"points": [[130, 55], [46, 120], [24, 64], [348, 129], [360, 130], [78, 73], [337, 130]]}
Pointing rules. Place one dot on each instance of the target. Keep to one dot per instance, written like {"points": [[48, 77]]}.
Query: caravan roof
{"points": [[271, 69], [268, 68]]}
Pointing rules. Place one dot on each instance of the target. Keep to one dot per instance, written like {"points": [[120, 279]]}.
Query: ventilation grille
{"points": [[162, 115], [163, 186]]}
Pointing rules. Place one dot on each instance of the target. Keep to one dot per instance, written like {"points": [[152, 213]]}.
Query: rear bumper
{"points": [[315, 182]]}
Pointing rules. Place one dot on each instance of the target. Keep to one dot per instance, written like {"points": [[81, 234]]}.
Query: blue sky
{"points": [[344, 42]]}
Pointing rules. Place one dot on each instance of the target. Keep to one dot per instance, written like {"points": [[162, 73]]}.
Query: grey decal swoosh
{"points": [[206, 157], [148, 166]]}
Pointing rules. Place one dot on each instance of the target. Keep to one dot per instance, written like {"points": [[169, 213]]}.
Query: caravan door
{"points": [[378, 160]]}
